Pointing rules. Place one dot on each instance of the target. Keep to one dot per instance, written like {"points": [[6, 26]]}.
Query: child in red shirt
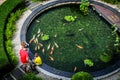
{"points": [[24, 56]]}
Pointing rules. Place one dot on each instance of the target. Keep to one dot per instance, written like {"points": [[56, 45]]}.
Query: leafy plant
{"points": [[105, 57], [45, 37], [29, 76], [88, 62], [84, 6], [70, 18], [82, 76]]}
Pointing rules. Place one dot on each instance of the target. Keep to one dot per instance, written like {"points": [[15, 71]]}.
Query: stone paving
{"points": [[16, 42]]}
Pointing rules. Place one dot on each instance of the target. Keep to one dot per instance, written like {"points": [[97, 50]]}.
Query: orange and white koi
{"points": [[80, 47], [43, 50], [40, 44], [52, 48], [48, 47], [56, 44], [75, 68], [32, 39], [51, 58]]}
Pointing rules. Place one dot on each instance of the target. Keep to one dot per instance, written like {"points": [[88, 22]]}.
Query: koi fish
{"points": [[43, 50], [80, 29], [41, 34], [37, 21], [51, 52], [36, 48], [80, 47], [38, 31], [75, 68], [52, 48], [55, 35], [48, 47], [32, 39], [51, 58], [40, 44], [56, 44]]}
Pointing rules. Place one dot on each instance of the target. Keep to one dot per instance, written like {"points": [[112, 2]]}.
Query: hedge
{"points": [[5, 9]]}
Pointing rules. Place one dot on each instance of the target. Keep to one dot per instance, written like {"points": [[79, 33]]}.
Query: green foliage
{"points": [[84, 6], [5, 9], [82, 76], [88, 62], [45, 37], [112, 1], [70, 18], [105, 57], [10, 29], [30, 76]]}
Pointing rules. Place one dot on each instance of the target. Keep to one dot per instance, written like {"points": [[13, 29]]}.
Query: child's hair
{"points": [[36, 55], [23, 44]]}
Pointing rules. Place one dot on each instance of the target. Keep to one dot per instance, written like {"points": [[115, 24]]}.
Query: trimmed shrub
{"points": [[5, 9], [30, 76], [82, 76]]}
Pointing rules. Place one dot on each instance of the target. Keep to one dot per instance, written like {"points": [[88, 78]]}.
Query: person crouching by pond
{"points": [[36, 61], [24, 57]]}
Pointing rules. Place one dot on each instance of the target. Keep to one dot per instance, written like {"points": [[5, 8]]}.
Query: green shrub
{"points": [[5, 9], [82, 76], [30, 76], [9, 32], [105, 57]]}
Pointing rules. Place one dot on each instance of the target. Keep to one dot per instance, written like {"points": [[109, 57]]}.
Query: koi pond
{"points": [[86, 43]]}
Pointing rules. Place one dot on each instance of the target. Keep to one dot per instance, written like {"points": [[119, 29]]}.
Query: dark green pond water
{"points": [[91, 32]]}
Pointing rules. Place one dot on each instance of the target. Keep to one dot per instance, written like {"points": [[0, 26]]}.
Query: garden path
{"points": [[2, 1]]}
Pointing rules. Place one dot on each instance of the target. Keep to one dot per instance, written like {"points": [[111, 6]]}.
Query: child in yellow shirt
{"points": [[37, 60]]}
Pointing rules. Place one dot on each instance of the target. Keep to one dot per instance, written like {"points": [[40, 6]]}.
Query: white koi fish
{"points": [[38, 31], [48, 47], [56, 44], [55, 35], [37, 21], [43, 50], [75, 68]]}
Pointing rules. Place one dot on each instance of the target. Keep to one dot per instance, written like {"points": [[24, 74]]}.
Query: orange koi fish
{"points": [[51, 58], [80, 47]]}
